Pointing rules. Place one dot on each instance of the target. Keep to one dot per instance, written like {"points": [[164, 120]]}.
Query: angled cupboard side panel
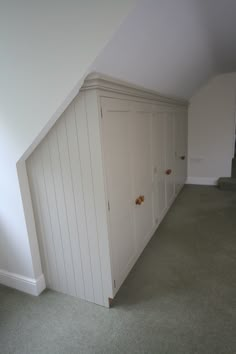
{"points": [[43, 218], [62, 211], [89, 200], [70, 201], [64, 179], [93, 111], [78, 195], [53, 214], [36, 202]]}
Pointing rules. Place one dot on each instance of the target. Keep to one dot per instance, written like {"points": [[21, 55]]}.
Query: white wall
{"points": [[46, 48], [162, 45], [211, 130]]}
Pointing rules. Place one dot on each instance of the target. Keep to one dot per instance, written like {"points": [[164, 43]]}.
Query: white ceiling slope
{"points": [[221, 25], [172, 46]]}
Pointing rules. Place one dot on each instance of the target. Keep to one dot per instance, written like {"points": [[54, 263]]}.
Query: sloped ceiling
{"points": [[220, 21], [172, 46]]}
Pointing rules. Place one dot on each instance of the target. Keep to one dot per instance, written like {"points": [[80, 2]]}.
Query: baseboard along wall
{"points": [[207, 181], [28, 285]]}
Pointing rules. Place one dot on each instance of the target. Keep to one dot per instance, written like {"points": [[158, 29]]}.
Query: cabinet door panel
{"points": [[158, 156], [142, 171], [117, 120], [185, 147], [180, 150], [169, 140]]}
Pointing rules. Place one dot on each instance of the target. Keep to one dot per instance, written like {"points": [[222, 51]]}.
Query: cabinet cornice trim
{"points": [[107, 83]]}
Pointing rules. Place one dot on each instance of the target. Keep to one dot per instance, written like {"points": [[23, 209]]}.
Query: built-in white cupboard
{"points": [[101, 181]]}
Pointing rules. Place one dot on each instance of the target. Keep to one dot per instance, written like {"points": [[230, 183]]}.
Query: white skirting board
{"points": [[28, 285], [207, 181]]}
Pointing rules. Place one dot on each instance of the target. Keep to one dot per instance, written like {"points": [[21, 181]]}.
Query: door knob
{"points": [[138, 201], [168, 172], [182, 157]]}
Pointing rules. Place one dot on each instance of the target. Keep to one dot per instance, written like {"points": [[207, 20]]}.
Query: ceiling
{"points": [[172, 46], [221, 28]]}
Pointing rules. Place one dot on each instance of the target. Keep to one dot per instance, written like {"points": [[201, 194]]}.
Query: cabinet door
{"points": [[180, 150], [170, 148], [142, 171], [117, 129], [158, 158], [184, 152]]}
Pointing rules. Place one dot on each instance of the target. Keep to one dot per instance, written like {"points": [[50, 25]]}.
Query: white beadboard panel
{"points": [[61, 209], [95, 140], [67, 189], [53, 214], [76, 175], [83, 139], [46, 227], [32, 173], [70, 202]]}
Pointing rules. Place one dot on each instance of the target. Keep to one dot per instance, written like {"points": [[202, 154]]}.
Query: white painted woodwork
{"points": [[169, 152], [159, 164], [142, 171], [113, 144], [180, 150], [117, 134], [62, 187]]}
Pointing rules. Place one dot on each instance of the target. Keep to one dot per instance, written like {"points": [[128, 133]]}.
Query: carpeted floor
{"points": [[180, 298]]}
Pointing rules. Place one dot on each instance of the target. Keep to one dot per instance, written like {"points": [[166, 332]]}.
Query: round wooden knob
{"points": [[168, 172], [182, 157], [138, 201]]}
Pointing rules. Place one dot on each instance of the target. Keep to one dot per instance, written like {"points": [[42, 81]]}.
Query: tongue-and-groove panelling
{"points": [[101, 182], [62, 188]]}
